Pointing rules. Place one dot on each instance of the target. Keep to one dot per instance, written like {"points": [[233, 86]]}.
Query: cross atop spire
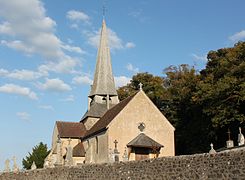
{"points": [[104, 9], [103, 83]]}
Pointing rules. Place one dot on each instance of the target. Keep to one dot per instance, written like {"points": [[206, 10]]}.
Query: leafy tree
{"points": [[38, 155], [222, 90]]}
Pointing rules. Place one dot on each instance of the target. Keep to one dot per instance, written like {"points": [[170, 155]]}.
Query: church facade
{"points": [[133, 129]]}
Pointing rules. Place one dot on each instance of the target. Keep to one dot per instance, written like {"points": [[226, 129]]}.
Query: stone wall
{"points": [[224, 165]]}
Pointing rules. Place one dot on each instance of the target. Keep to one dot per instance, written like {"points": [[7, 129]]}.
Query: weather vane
{"points": [[104, 9]]}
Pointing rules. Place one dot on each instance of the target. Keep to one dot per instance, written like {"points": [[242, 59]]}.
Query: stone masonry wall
{"points": [[224, 165]]}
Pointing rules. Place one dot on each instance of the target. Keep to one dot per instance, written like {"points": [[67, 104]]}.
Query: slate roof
{"points": [[143, 140], [78, 150], [103, 83], [71, 129], [96, 110], [108, 117]]}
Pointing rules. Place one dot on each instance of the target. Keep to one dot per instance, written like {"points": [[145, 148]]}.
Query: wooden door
{"points": [[141, 156], [141, 153]]}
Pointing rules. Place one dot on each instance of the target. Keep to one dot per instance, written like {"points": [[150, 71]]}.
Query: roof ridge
{"points": [[67, 122], [108, 116]]}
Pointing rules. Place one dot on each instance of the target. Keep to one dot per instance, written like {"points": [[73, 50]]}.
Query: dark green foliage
{"points": [[39, 153], [201, 106]]}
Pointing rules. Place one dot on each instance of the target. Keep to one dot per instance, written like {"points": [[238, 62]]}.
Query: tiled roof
{"points": [[70, 129], [143, 140], [78, 150], [108, 117], [96, 110]]}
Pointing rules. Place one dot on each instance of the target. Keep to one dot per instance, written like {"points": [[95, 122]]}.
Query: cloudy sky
{"points": [[48, 54]]}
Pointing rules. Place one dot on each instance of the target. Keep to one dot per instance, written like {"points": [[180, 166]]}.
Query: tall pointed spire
{"points": [[103, 83]]}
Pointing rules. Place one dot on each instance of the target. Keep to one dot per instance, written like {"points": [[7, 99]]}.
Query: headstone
{"points": [[46, 163], [33, 166], [15, 166], [212, 151], [111, 155], [59, 158], [125, 155], [229, 142], [69, 154], [240, 137], [7, 167]]}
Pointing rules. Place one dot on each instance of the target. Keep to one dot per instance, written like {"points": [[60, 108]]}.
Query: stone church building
{"points": [[110, 130]]}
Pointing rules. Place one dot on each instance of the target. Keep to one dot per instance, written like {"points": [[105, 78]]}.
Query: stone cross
{"points": [[115, 142], [229, 134], [15, 166], [116, 150], [7, 168], [140, 85], [33, 166]]}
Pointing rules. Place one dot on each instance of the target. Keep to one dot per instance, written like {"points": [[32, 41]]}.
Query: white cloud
{"points": [[74, 26], [30, 31], [67, 65], [23, 115], [131, 68], [19, 46], [238, 36], [70, 98], [199, 58], [73, 49], [6, 29], [82, 80], [122, 81], [23, 74], [19, 90], [54, 85], [74, 15], [46, 107], [3, 72], [130, 45]]}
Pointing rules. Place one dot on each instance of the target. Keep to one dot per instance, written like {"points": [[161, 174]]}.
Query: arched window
{"points": [[97, 145]]}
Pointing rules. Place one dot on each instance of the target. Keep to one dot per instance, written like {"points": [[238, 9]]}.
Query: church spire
{"points": [[103, 83]]}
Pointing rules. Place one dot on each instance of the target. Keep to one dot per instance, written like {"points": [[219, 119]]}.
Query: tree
{"points": [[152, 86], [38, 155], [222, 90]]}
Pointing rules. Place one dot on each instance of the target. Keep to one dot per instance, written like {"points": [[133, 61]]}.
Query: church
{"points": [[110, 130]]}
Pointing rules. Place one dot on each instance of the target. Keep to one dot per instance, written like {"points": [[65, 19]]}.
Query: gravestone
{"points": [[69, 154], [7, 167], [240, 137], [15, 166], [212, 151], [33, 166]]}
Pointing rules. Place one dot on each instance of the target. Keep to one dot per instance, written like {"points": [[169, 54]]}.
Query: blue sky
{"points": [[48, 53]]}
